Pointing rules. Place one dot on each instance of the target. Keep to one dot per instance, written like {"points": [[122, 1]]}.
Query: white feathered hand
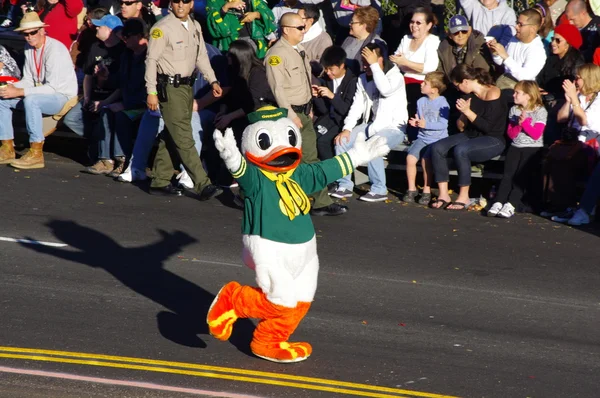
{"points": [[228, 149], [364, 151]]}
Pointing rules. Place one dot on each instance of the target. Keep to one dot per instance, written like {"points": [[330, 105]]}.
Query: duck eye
{"points": [[264, 141], [292, 137]]}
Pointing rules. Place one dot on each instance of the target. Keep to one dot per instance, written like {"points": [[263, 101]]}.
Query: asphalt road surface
{"points": [[107, 297]]}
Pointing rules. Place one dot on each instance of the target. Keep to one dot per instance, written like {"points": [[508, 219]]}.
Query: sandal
{"points": [[409, 196], [463, 206], [442, 207], [425, 199]]}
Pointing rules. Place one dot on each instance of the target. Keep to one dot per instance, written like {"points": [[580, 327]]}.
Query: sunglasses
{"points": [[300, 28], [32, 33], [557, 40], [179, 1], [128, 3], [460, 32]]}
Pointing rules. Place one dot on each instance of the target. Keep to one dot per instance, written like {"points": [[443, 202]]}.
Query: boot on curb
{"points": [[33, 159], [101, 167], [7, 152]]}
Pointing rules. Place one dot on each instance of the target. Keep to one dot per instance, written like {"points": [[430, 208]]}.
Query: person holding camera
{"points": [[175, 50], [229, 21]]}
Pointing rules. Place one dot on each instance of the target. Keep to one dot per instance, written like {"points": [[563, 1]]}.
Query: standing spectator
{"points": [[362, 32], [416, 56], [288, 73], [526, 123], [283, 7], [380, 96], [492, 18], [176, 48], [332, 99], [120, 117], [462, 45], [61, 17], [135, 9], [432, 121], [316, 39], [482, 126], [525, 55], [85, 38], [557, 7], [588, 24], [240, 19], [48, 83]]}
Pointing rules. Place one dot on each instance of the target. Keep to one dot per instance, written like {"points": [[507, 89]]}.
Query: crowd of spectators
{"points": [[492, 82]]}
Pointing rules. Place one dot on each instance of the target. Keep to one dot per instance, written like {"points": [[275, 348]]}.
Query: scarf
{"points": [[291, 194], [459, 53], [312, 33]]}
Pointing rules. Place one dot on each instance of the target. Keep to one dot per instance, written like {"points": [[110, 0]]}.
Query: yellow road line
{"points": [[132, 361]]}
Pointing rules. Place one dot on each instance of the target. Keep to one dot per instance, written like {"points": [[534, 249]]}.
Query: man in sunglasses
{"points": [[288, 73], [175, 50], [135, 9], [48, 83]]}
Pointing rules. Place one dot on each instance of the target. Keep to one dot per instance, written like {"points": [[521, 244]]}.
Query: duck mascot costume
{"points": [[279, 241]]}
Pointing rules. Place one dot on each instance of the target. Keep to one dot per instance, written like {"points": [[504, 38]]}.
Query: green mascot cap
{"points": [[267, 113]]}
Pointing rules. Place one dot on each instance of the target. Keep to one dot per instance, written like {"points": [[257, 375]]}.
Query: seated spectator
{"points": [[462, 45], [380, 97], [431, 120], [416, 56], [569, 159], [248, 20], [400, 22], [493, 18], [121, 116], [316, 39], [344, 11], [525, 55], [135, 9], [482, 126], [526, 123], [557, 7], [332, 99], [99, 88], [61, 18], [8, 66], [362, 32], [561, 64], [546, 31], [588, 24], [48, 83]]}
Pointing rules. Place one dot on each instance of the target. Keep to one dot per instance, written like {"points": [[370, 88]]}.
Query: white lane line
{"points": [[32, 242], [195, 260], [114, 382]]}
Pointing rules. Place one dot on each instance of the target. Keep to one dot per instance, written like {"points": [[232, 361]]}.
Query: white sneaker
{"points": [[184, 180], [131, 175], [579, 218], [507, 211], [494, 210], [7, 23]]}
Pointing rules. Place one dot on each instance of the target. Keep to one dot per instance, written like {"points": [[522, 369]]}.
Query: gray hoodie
{"points": [[499, 22]]}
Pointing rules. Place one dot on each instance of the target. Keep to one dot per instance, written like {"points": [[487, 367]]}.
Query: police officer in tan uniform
{"points": [[175, 49], [288, 73]]}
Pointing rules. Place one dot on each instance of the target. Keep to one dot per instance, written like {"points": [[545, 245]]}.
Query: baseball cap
{"points": [[110, 21], [458, 23]]}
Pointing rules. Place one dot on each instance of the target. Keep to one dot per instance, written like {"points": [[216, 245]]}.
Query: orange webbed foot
{"points": [[284, 352], [221, 315]]}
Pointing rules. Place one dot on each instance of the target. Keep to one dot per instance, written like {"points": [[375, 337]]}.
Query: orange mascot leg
{"points": [[277, 322]]}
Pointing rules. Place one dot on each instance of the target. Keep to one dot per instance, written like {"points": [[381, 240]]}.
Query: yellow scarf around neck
{"points": [[290, 192]]}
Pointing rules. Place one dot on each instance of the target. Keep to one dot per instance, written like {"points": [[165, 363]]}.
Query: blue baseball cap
{"points": [[110, 21], [458, 23]]}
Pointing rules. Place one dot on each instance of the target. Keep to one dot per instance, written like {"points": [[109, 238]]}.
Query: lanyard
{"points": [[38, 67]]}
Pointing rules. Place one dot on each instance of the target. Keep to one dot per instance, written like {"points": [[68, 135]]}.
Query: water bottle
{"points": [[492, 194]]}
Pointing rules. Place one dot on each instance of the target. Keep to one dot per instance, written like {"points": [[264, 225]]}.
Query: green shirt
{"points": [[264, 213]]}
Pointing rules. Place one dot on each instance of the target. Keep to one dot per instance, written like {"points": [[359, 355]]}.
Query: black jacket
{"points": [[337, 108]]}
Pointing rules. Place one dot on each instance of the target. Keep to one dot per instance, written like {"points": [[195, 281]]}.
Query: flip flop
{"points": [[442, 207], [463, 206]]}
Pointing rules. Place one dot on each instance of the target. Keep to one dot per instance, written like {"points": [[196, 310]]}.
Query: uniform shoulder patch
{"points": [[156, 33], [274, 60]]}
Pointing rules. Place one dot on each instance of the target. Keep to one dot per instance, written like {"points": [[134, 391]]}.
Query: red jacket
{"points": [[62, 21]]}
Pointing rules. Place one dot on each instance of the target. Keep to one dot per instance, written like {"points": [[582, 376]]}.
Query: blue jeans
{"points": [[115, 131], [152, 125], [35, 106], [376, 167], [466, 150], [592, 191]]}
